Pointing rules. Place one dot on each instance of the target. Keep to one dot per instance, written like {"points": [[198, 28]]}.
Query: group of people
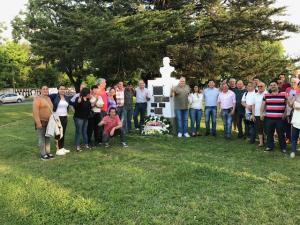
{"points": [[100, 115], [252, 110]]}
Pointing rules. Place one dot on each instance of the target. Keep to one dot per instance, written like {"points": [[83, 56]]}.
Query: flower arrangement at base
{"points": [[156, 125]]}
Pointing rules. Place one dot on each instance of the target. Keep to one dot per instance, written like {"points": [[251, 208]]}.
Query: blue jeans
{"points": [[140, 109], [227, 121], [120, 111], [81, 126], [182, 120], [195, 115], [127, 117], [295, 136], [211, 112]]}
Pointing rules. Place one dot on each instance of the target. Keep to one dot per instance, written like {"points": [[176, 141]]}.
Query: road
{"points": [[22, 103]]}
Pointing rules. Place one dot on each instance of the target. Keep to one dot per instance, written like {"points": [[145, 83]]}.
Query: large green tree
{"points": [[116, 39]]}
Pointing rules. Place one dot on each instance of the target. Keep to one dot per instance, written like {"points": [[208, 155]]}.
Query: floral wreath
{"points": [[156, 125]]}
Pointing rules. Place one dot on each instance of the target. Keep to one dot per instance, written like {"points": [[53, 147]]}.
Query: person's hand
{"points": [[79, 99], [262, 117], [112, 132], [39, 126], [284, 116], [232, 112], [253, 118]]}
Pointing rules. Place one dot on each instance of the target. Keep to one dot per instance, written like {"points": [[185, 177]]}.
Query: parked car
{"points": [[6, 98]]}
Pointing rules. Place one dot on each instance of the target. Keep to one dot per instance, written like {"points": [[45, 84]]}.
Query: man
{"points": [[259, 124], [239, 109], [248, 102], [210, 95], [285, 84], [273, 110], [142, 96], [120, 99], [181, 102], [227, 102], [128, 107], [112, 126], [256, 82], [232, 84]]}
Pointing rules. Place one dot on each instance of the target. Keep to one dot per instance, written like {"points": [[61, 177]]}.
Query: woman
{"points": [[81, 116], [111, 101], [60, 107], [196, 100], [41, 110], [294, 102], [96, 104]]}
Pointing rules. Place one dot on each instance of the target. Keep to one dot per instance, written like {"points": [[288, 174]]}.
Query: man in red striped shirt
{"points": [[273, 109]]}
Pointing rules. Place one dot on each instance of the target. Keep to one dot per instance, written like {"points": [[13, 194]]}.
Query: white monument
{"points": [[162, 102]]}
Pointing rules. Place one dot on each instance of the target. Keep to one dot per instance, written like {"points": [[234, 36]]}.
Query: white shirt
{"points": [[196, 100], [99, 103], [141, 95], [258, 98], [62, 108], [296, 115], [248, 98]]}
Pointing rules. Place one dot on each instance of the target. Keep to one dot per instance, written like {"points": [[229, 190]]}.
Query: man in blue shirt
{"points": [[210, 97]]}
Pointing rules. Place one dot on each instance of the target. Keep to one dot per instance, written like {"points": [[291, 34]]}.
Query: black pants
{"points": [[271, 126], [240, 119], [64, 122], [250, 130], [119, 132], [94, 128]]}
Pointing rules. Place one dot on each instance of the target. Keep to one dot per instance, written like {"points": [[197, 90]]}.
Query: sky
{"points": [[10, 8]]}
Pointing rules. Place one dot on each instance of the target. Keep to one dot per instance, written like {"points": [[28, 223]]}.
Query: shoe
{"points": [[206, 134], [137, 129], [106, 145], [51, 156], [268, 149], [293, 155], [78, 149], [60, 152], [124, 145], [45, 157], [214, 135], [66, 150], [187, 135], [283, 151], [179, 135], [87, 147]]}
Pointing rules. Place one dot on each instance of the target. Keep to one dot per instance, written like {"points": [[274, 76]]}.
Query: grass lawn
{"points": [[163, 180]]}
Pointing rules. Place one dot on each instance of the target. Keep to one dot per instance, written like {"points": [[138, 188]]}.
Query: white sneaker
{"points": [[179, 135], [293, 155], [186, 135], [60, 152], [66, 150]]}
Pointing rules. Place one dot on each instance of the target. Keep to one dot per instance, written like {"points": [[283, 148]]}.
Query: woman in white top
{"points": [[294, 102], [61, 104], [95, 118], [196, 101]]}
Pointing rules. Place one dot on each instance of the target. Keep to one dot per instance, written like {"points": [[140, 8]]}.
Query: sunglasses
{"points": [[260, 86]]}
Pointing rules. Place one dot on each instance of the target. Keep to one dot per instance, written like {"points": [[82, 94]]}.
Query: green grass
{"points": [[163, 180]]}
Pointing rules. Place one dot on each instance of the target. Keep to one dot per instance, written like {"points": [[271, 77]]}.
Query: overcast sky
{"points": [[10, 8]]}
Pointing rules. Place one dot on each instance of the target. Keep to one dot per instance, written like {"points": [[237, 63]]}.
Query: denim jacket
{"points": [[55, 98]]}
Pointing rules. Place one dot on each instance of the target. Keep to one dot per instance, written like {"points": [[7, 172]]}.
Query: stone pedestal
{"points": [[161, 102]]}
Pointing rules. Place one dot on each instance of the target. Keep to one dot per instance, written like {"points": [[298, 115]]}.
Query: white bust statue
{"points": [[166, 70]]}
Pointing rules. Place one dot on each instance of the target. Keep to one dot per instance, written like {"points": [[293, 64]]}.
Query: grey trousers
{"points": [[44, 142]]}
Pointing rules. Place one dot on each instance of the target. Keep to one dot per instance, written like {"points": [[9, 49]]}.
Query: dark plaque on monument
{"points": [[162, 105], [158, 111], [154, 105], [158, 98], [166, 99], [152, 110], [158, 90]]}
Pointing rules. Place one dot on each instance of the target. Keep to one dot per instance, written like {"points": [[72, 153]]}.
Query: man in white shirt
{"points": [[248, 102], [259, 124], [142, 96]]}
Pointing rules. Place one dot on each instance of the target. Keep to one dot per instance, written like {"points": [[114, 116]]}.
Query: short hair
{"points": [[232, 78], [211, 80], [112, 108], [84, 92], [100, 81], [43, 85], [60, 85], [94, 87]]}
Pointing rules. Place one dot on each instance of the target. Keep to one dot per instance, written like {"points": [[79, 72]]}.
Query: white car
{"points": [[6, 98]]}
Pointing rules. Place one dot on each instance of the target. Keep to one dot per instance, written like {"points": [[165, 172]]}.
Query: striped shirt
{"points": [[275, 105], [120, 98]]}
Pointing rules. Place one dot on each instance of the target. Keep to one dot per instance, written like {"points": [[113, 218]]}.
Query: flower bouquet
{"points": [[155, 125]]}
